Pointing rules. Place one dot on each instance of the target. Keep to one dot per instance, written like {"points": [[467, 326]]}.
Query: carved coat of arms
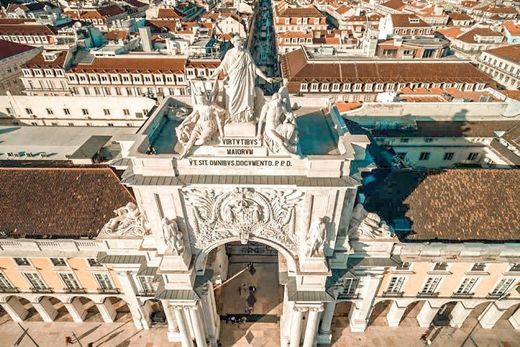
{"points": [[242, 212]]}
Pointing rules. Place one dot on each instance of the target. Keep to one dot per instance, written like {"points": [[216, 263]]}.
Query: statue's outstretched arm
{"points": [[262, 75]]}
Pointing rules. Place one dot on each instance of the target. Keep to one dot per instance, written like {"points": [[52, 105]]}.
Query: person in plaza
{"points": [[241, 71]]}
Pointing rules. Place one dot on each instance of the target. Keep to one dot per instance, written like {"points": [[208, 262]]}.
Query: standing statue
{"points": [[316, 238], [279, 135], [241, 71], [202, 124], [173, 237]]}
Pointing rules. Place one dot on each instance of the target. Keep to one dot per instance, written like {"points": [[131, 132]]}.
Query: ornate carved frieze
{"points": [[368, 225], [242, 212]]}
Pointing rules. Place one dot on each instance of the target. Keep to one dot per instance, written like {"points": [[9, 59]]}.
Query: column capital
{"points": [[300, 308]]}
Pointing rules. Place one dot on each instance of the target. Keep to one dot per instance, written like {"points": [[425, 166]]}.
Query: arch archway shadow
{"points": [[93, 314], [340, 319]]}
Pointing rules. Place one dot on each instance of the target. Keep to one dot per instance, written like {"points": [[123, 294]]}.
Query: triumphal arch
{"points": [[235, 166]]}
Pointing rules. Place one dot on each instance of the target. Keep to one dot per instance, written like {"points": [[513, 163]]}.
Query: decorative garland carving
{"points": [[242, 212]]}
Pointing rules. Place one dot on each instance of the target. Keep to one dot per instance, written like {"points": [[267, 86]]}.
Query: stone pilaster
{"points": [[427, 314], [296, 326], [395, 314], [490, 316], [359, 314], [183, 327], [459, 315], [15, 309], [311, 328], [46, 309]]}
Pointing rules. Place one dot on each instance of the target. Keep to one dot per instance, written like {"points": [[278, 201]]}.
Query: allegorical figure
{"points": [[241, 71], [316, 238], [202, 124], [173, 237], [278, 133]]}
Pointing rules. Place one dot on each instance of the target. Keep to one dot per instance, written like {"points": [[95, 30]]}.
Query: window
{"points": [[448, 156], [70, 281], [395, 285], [473, 156], [428, 140], [478, 267], [314, 87], [93, 262], [106, 111], [22, 261], [303, 87], [146, 283], [431, 285], [85, 111], [49, 111], [401, 155], [466, 286], [104, 281], [349, 287], [58, 262], [442, 266], [35, 280], [515, 267], [29, 111], [4, 282], [66, 111], [503, 286], [126, 112], [404, 266], [424, 156], [404, 140]]}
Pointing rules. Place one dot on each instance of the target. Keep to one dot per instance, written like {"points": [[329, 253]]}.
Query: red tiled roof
{"points": [[38, 61], [301, 12], [59, 202], [8, 49], [511, 53], [169, 13], [512, 28], [455, 204], [402, 20], [132, 64], [470, 35], [27, 29]]}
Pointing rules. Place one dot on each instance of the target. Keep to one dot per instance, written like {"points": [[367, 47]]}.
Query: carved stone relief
{"points": [[369, 225], [242, 212], [129, 222]]}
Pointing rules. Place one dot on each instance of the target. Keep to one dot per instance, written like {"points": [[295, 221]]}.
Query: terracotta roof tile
{"points": [[38, 62], [452, 205], [404, 20], [133, 64], [58, 202], [470, 35], [511, 53], [512, 28], [8, 49]]}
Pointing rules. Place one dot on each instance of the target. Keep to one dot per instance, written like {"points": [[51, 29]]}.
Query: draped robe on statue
{"points": [[241, 71]]}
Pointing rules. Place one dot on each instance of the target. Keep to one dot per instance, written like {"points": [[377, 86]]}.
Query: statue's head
{"points": [[237, 41]]}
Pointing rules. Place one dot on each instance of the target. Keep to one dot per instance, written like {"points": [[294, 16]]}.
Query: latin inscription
{"points": [[241, 162], [245, 142]]}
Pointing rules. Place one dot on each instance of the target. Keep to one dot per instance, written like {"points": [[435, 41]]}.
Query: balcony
{"points": [[74, 290], [463, 295], [146, 293], [108, 291], [41, 290], [9, 290], [344, 296], [427, 295], [393, 294]]}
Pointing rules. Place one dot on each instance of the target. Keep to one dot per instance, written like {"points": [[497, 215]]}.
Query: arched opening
{"points": [[472, 318], [340, 319], [247, 288], [379, 312], [63, 314], [92, 312], [156, 312], [32, 315], [410, 314], [122, 309], [443, 316]]}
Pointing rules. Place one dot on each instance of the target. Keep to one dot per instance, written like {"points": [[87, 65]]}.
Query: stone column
{"points": [[15, 309], [395, 314], [46, 309], [426, 315], [515, 319], [361, 310], [107, 311], [326, 319], [141, 320], [296, 327], [198, 326], [490, 316], [183, 328], [209, 311], [459, 315], [76, 310], [173, 328], [312, 327]]}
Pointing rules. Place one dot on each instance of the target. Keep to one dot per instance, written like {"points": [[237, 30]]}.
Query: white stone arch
{"points": [[200, 260]]}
